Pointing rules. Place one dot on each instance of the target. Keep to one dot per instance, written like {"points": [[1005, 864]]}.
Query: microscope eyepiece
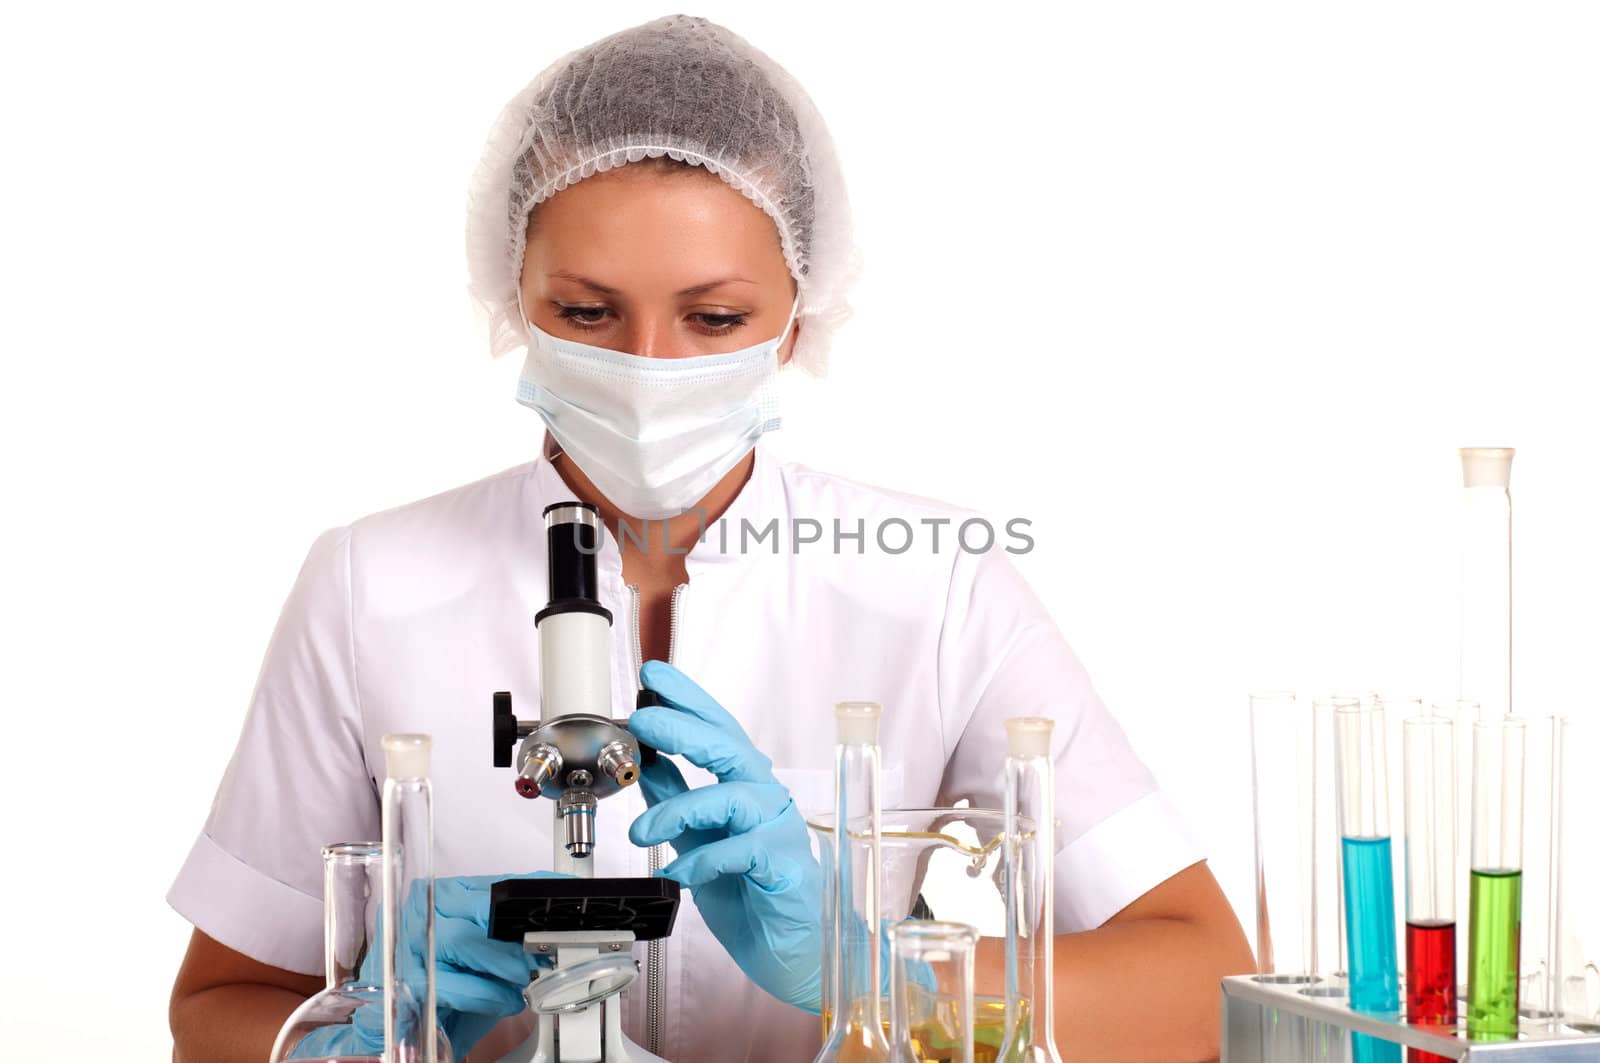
{"points": [[573, 534]]}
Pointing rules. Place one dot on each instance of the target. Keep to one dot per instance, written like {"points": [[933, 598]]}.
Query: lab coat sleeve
{"points": [[1000, 655], [298, 780]]}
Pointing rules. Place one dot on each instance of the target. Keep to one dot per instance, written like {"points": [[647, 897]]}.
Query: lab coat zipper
{"points": [[655, 951]]}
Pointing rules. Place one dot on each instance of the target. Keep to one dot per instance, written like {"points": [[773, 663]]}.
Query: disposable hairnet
{"points": [[686, 88]]}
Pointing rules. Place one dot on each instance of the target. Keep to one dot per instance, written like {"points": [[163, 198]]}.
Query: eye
{"points": [[583, 317], [720, 324]]}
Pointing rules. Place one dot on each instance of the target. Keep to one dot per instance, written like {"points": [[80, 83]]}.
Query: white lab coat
{"points": [[408, 620]]}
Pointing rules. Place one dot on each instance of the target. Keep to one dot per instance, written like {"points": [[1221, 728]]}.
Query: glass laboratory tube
{"points": [[1430, 799], [1030, 891], [930, 991], [1465, 714], [1539, 957], [1281, 768], [1321, 1041], [410, 1030], [1494, 925], [1327, 858], [1486, 578], [333, 1024], [856, 1025], [1362, 764]]}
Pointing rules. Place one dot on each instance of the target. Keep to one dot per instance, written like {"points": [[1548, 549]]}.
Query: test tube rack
{"points": [[1300, 1022]]}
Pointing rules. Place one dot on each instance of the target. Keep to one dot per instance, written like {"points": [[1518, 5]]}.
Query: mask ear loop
{"points": [[522, 314], [794, 313]]}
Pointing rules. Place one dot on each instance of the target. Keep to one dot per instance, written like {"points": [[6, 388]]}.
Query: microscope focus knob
{"points": [[505, 729]]}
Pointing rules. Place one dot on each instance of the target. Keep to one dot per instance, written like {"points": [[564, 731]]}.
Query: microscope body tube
{"points": [[575, 681], [574, 628]]}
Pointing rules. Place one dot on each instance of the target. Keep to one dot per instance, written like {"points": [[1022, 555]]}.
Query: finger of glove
{"points": [[462, 945], [735, 807], [726, 754], [684, 693], [750, 854], [477, 995], [661, 781]]}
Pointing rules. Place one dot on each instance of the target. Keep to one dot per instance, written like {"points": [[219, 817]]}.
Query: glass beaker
{"points": [[945, 864], [930, 991], [344, 1022]]}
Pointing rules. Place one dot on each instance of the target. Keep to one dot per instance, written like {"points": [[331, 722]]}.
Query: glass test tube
{"points": [[1323, 1041], [1362, 764], [1030, 891], [1486, 578], [1465, 714], [410, 1028], [1540, 953], [1494, 925], [930, 991], [1430, 799], [856, 1029], [1281, 766]]}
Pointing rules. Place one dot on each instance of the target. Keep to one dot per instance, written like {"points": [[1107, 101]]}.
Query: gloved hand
{"points": [[478, 981], [743, 851]]}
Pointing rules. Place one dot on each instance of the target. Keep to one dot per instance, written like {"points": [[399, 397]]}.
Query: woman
{"points": [[660, 219]]}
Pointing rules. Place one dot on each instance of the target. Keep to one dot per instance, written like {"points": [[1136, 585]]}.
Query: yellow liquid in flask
{"points": [[933, 1036]]}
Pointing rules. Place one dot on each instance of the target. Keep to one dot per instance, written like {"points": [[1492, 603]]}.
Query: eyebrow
{"points": [[595, 285]]}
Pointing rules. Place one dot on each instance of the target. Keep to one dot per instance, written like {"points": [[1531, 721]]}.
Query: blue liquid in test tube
{"points": [[1370, 935]]}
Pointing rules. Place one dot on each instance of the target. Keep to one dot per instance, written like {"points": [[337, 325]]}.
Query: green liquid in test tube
{"points": [[1494, 929]]}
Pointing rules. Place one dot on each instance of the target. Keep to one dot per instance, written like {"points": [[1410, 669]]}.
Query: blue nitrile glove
{"points": [[478, 981], [743, 850]]}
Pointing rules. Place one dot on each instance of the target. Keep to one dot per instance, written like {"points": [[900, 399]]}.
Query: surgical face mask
{"points": [[654, 434]]}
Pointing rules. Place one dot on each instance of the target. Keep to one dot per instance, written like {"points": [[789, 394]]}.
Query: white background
{"points": [[1209, 292]]}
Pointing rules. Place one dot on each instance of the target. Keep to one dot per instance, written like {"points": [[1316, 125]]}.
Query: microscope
{"points": [[575, 755]]}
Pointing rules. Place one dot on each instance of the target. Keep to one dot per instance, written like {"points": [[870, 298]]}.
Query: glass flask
{"points": [[343, 1022], [1030, 892], [930, 991], [853, 963], [410, 1027], [941, 863]]}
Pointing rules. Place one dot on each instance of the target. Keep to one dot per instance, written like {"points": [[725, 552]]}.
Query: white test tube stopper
{"points": [[406, 756], [858, 722], [1029, 736], [1486, 466]]}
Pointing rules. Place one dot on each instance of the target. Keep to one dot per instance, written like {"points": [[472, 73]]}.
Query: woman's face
{"points": [[657, 263]]}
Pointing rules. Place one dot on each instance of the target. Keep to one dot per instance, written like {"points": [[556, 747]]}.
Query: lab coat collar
{"points": [[757, 503]]}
